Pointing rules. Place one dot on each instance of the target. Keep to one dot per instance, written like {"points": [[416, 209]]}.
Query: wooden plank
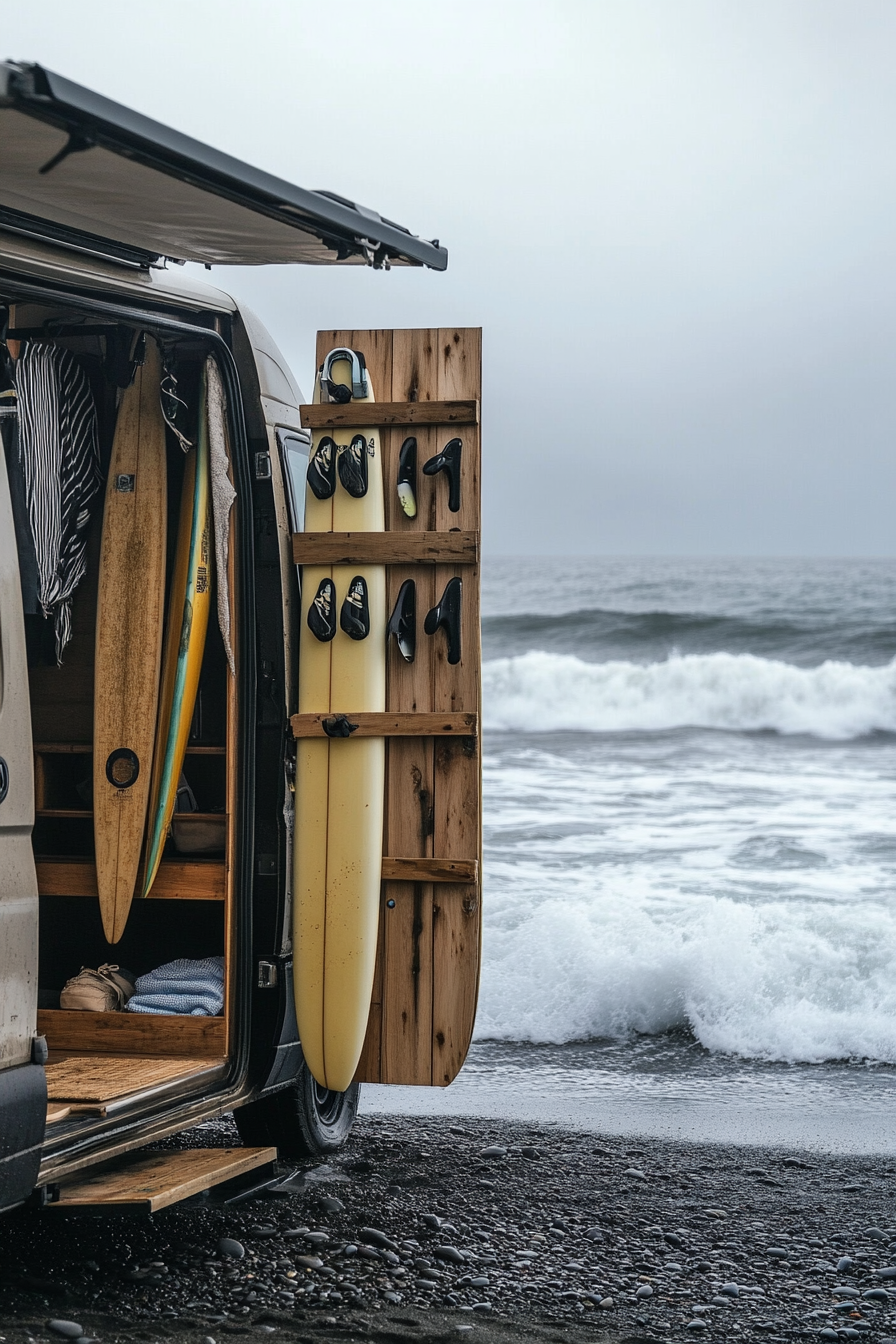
{"points": [[458, 773], [430, 870], [405, 1014], [370, 723], [102, 1078], [386, 548], [169, 1036], [177, 881], [404, 414], [161, 1179]]}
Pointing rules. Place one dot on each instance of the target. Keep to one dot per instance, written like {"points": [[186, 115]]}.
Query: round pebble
{"points": [[234, 1250], [68, 1329]]}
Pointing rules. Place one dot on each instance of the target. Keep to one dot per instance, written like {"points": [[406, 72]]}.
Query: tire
{"points": [[301, 1120]]}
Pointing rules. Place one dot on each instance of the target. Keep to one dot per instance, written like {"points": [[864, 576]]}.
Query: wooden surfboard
{"points": [[184, 641], [129, 625], [339, 782]]}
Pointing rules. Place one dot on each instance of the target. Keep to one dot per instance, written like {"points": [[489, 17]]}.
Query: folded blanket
{"points": [[191, 988]]}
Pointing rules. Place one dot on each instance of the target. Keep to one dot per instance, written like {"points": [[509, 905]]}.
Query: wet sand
{"points": [[431, 1229]]}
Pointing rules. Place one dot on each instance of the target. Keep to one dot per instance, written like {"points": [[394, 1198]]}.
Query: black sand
{"points": [[553, 1235]]}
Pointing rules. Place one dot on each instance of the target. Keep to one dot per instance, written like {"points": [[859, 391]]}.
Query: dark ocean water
{"points": [[690, 793]]}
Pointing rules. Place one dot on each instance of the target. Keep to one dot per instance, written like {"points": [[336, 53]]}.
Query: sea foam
{"points": [[777, 981], [548, 692]]}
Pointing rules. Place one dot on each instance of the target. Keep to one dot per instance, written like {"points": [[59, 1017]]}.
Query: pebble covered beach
{"points": [[432, 1229]]}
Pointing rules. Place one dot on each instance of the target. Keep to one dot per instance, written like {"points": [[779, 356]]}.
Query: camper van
{"points": [[240, 777]]}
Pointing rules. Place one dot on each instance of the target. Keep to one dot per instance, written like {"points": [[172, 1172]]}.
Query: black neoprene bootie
{"points": [[445, 615], [403, 621], [352, 466], [355, 614], [322, 470], [322, 612], [407, 477], [448, 460]]}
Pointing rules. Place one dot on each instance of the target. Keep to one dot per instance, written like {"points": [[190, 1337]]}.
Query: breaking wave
{"points": [[778, 981], [551, 692]]}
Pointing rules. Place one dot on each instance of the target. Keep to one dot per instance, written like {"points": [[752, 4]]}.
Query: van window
{"points": [[294, 449]]}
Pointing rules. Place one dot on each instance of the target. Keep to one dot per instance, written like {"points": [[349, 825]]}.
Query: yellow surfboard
{"points": [[184, 641], [129, 624], [338, 841]]}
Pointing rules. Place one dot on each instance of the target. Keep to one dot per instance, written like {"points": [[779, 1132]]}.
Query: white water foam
{"points": [[547, 692], [794, 981]]}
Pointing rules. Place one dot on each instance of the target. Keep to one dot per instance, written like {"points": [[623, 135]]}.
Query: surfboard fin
{"points": [[403, 621], [322, 470], [445, 615], [322, 612], [355, 614], [448, 460], [352, 464], [407, 477]]}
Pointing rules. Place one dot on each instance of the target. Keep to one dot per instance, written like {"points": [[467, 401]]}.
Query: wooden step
{"points": [[159, 1179]]}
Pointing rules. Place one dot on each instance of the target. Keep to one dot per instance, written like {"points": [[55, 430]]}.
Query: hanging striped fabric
{"points": [[59, 444]]}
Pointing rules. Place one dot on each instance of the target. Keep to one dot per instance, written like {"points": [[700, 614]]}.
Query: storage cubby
{"points": [[186, 914]]}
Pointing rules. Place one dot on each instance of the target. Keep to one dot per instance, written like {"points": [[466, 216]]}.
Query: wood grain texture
{"points": [[176, 881], [405, 414], [370, 723], [386, 548], [161, 1179], [457, 914], [129, 625], [132, 1034], [103, 1078], [423, 1001], [430, 870]]}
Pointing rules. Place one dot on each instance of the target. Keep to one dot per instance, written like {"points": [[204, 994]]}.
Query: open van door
{"points": [[23, 1091]]}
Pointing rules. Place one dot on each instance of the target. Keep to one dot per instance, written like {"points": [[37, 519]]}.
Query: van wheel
{"points": [[302, 1120]]}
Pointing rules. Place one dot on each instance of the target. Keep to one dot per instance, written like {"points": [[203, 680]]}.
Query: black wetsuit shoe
{"points": [[322, 612], [448, 461], [352, 465], [355, 614], [407, 477], [322, 469], [445, 615], [403, 621]]}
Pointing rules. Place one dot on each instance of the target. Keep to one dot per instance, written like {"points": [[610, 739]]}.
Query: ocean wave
{"points": [[599, 634], [550, 692], [779, 981]]}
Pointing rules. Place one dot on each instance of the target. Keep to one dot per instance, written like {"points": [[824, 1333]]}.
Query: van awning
{"points": [[78, 169]]}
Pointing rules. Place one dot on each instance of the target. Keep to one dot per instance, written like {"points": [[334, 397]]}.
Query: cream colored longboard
{"points": [[129, 623], [339, 782]]}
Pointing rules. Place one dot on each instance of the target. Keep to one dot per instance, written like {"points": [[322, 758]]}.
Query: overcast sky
{"points": [[674, 220]]}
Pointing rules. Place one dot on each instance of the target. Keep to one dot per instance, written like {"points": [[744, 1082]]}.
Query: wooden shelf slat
{"points": [[385, 548], [364, 415], [430, 870], [163, 1035], [374, 724], [176, 880], [86, 749]]}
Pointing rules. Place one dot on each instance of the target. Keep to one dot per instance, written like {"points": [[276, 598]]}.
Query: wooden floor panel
{"points": [[99, 1078]]}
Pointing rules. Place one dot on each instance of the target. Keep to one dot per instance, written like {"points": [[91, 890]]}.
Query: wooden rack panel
{"points": [[355, 415], [426, 982], [368, 723], [386, 548]]}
